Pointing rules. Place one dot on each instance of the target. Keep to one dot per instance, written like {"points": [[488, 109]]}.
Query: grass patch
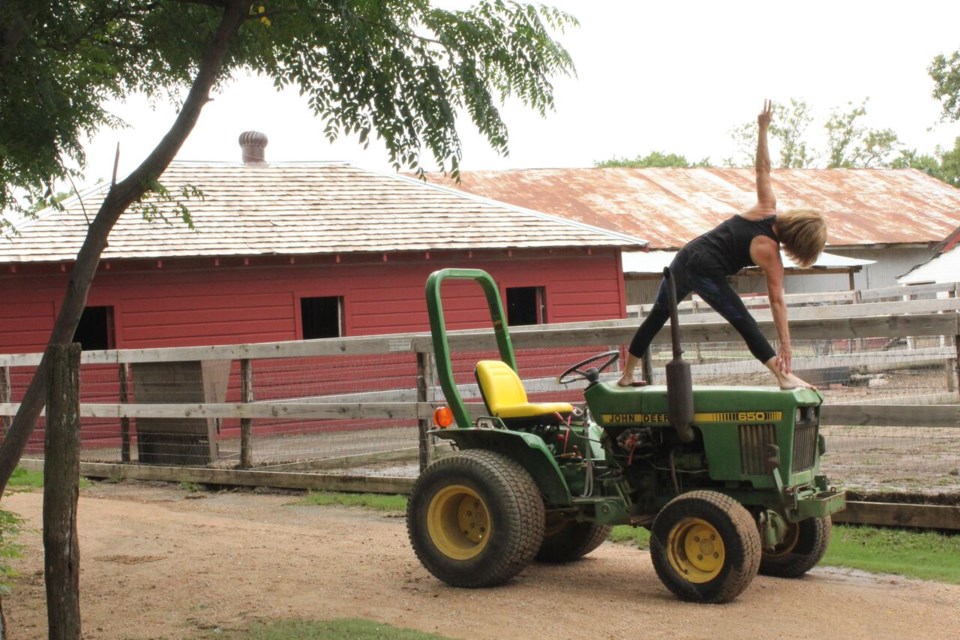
{"points": [[635, 536], [375, 501], [927, 555], [190, 487], [342, 629], [23, 479]]}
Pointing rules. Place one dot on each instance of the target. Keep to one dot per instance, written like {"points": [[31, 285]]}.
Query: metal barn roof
{"points": [[671, 206], [943, 267], [303, 208]]}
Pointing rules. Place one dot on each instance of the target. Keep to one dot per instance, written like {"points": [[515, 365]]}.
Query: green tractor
{"points": [[726, 479]]}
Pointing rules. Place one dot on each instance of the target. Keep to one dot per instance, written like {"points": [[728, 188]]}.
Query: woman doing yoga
{"points": [[752, 238]]}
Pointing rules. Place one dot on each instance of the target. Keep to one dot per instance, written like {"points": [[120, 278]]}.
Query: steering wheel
{"points": [[593, 373]]}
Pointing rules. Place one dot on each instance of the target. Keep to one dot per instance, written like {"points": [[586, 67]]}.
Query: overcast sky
{"points": [[673, 76]]}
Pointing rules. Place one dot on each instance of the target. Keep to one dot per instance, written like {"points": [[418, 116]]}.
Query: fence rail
{"points": [[872, 424], [853, 296]]}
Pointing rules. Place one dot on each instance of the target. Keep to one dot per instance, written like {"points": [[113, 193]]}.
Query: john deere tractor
{"points": [[726, 478]]}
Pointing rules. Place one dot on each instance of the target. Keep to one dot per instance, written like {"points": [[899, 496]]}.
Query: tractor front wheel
{"points": [[705, 547], [801, 550], [475, 519]]}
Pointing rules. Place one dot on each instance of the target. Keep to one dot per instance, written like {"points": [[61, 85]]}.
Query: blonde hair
{"points": [[803, 233]]}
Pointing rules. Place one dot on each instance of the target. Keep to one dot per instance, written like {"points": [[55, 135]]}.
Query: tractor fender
{"points": [[526, 449]]}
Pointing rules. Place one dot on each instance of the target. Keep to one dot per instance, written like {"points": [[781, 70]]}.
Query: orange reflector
{"points": [[443, 417]]}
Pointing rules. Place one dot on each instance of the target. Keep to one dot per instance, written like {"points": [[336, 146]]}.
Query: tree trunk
{"points": [[6, 396], [61, 491], [119, 198]]}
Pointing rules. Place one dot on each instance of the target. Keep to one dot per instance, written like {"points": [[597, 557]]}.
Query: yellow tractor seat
{"points": [[505, 397]]}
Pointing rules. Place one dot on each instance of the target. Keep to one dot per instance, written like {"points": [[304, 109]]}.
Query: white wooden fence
{"points": [[893, 429]]}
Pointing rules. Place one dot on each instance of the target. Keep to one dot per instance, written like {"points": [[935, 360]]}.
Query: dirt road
{"points": [[158, 562]]}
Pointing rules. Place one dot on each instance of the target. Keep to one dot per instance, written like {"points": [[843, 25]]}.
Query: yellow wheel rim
{"points": [[458, 522], [695, 550]]}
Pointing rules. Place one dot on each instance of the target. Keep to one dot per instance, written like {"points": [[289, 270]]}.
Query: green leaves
{"points": [[653, 159], [849, 143], [403, 71], [165, 205], [945, 72], [61, 61], [398, 70]]}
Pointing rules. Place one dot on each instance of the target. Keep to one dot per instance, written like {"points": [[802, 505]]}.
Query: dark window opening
{"points": [[526, 305], [95, 329], [322, 317]]}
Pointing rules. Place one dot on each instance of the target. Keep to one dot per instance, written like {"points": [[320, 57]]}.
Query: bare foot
{"points": [[790, 381], [625, 381]]}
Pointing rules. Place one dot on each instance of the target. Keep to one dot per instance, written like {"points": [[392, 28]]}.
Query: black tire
{"points": [[475, 519], [803, 548], [705, 547], [569, 540]]}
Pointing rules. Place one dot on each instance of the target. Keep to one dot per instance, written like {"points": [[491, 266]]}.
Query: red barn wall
{"points": [[188, 303], [232, 301]]}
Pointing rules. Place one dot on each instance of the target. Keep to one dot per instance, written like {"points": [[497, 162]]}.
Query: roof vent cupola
{"points": [[252, 144]]}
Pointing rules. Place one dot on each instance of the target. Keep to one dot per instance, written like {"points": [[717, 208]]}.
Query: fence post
{"points": [[6, 396], [246, 424], [61, 487], [956, 364], [424, 378], [125, 420]]}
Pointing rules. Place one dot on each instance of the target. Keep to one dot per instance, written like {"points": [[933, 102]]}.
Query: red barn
{"points": [[297, 251]]}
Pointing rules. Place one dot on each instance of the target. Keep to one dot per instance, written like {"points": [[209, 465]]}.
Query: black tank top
{"points": [[725, 249]]}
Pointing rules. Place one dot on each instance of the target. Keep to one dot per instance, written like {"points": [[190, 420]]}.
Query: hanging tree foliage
{"points": [[398, 70]]}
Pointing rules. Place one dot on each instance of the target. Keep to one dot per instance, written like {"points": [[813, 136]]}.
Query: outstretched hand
{"points": [[766, 115]]}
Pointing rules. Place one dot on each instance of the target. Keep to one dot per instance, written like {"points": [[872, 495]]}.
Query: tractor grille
{"points": [[805, 441], [754, 439]]}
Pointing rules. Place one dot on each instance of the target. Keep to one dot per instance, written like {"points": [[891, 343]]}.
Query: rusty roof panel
{"points": [[671, 206], [306, 208]]}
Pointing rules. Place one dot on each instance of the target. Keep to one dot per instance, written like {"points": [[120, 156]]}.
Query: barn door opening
{"points": [[95, 329], [322, 317], [526, 305]]}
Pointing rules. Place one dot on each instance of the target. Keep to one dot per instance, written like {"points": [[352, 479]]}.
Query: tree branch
{"points": [[120, 196]]}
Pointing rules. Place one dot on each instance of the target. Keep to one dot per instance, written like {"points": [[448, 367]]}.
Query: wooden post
{"points": [[423, 424], [124, 421], [5, 396], [956, 362], [696, 309], [61, 487], [246, 424]]}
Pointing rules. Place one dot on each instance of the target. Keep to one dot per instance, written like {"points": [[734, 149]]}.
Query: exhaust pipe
{"points": [[679, 378]]}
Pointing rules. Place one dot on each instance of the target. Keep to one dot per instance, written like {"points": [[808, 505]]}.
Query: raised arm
{"points": [[766, 200]]}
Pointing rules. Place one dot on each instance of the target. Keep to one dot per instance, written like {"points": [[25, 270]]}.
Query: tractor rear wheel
{"points": [[568, 540], [475, 519], [801, 550], [705, 547]]}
